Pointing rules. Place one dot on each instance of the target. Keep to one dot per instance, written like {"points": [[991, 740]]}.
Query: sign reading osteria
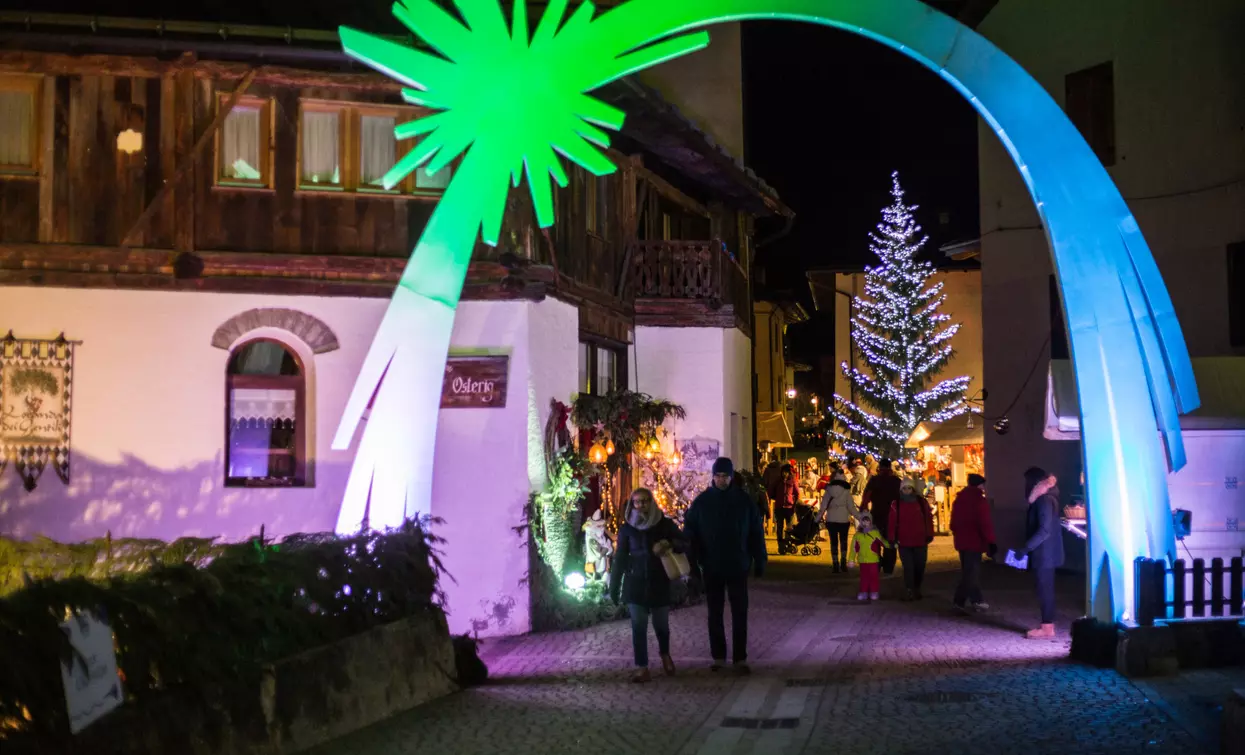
{"points": [[475, 382]]}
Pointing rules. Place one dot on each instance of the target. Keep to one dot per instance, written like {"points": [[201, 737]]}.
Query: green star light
{"points": [[511, 98]]}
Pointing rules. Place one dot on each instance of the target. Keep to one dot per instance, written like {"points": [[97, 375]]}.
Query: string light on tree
{"points": [[903, 338]]}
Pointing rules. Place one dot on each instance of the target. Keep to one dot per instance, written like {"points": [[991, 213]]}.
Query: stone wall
{"points": [[301, 702], [325, 693]]}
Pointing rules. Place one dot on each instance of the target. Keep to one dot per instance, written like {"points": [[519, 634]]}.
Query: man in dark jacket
{"points": [[880, 492], [724, 533], [1045, 544], [973, 531]]}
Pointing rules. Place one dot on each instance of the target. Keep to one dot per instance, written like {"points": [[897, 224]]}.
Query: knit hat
{"points": [[976, 479], [723, 465], [915, 483]]}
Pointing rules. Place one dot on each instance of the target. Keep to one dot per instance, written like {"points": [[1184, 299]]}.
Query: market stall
{"points": [[946, 454]]}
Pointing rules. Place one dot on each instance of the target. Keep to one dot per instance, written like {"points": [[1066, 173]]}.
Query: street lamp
{"points": [[791, 393]]}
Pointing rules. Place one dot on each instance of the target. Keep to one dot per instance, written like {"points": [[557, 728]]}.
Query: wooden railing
{"points": [[697, 270], [1184, 596]]}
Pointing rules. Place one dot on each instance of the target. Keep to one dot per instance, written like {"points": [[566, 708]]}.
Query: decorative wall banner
{"points": [[36, 391], [475, 382]]}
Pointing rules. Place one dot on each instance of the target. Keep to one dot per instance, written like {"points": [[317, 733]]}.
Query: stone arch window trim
{"points": [[299, 477], [318, 336]]}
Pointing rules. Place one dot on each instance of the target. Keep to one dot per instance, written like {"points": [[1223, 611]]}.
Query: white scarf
{"points": [[643, 523]]}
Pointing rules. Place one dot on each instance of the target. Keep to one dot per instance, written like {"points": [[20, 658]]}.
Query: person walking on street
{"points": [[881, 491], [1044, 546], [859, 478], [784, 493], [723, 530], [868, 545], [639, 571], [769, 479], [911, 528], [837, 511], [972, 528]]}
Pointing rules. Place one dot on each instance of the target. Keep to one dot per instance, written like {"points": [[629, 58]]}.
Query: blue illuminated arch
{"points": [[1133, 372], [1132, 367]]}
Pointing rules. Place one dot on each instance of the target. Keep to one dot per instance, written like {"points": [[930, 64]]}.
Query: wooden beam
{"points": [[624, 275], [668, 191], [141, 224], [47, 157], [60, 64], [297, 77]]}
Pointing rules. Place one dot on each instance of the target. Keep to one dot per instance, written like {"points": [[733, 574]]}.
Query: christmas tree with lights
{"points": [[903, 341]]}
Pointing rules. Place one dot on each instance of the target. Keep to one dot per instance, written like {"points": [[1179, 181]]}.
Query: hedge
{"points": [[199, 619]]}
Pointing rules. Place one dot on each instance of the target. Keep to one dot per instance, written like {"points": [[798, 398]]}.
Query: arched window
{"points": [[265, 427]]}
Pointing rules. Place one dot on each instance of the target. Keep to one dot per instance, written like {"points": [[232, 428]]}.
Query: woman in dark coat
{"points": [[640, 574], [1044, 546]]}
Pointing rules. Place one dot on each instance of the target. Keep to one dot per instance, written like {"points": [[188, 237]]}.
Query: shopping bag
{"points": [[675, 564]]}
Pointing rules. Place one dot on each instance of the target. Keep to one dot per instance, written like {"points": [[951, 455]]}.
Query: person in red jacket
{"points": [[784, 492], [973, 530], [911, 528]]}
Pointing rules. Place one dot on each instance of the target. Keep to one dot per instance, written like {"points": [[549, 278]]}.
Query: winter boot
{"points": [[1044, 632]]}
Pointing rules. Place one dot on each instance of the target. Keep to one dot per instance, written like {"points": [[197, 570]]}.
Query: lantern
{"points": [[676, 458], [597, 454], [654, 445], [609, 447]]}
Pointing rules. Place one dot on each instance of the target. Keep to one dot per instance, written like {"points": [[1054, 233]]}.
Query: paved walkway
{"points": [[830, 676]]}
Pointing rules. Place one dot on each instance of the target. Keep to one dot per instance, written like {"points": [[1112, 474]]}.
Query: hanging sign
{"points": [[92, 687], [36, 388], [475, 382]]}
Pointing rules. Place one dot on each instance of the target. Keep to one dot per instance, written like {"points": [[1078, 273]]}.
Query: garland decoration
{"points": [[626, 419]]}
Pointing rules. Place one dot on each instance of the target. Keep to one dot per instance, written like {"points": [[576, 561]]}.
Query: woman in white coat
{"points": [[837, 511]]}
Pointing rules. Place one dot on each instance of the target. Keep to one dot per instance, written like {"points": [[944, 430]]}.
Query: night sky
{"points": [[828, 116]]}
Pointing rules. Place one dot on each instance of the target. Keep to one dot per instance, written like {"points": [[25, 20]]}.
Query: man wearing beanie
{"points": [[726, 539]]}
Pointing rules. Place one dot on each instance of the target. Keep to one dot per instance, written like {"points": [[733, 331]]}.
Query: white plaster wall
{"points": [[737, 396], [148, 416], [481, 482], [707, 87], [148, 431], [1179, 107], [685, 365]]}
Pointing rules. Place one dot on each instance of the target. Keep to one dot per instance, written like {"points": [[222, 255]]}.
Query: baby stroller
{"points": [[802, 536]]}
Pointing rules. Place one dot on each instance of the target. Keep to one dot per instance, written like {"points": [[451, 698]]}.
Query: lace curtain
{"points": [[379, 149], [262, 403], [241, 144], [321, 140], [16, 111]]}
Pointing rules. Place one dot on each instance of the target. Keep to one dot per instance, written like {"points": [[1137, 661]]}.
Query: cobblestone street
{"points": [[829, 676]]}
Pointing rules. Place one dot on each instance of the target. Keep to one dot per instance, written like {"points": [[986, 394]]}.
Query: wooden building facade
{"points": [[197, 209], [209, 173]]}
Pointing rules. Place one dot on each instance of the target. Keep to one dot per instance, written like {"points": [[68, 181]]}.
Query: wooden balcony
{"points": [[689, 284]]}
